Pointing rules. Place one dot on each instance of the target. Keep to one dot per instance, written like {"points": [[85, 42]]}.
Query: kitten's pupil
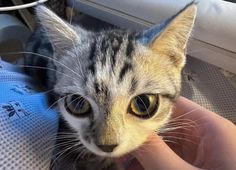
{"points": [[78, 102], [75, 100], [142, 103], [81, 104]]}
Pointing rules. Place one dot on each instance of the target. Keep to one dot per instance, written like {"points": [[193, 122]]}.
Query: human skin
{"points": [[204, 140]]}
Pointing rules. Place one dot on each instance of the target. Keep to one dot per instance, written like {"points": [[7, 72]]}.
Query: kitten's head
{"points": [[117, 87]]}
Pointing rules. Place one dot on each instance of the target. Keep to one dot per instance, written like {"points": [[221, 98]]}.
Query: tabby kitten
{"points": [[115, 87]]}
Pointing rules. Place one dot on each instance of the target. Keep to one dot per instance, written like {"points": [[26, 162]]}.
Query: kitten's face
{"points": [[119, 102], [117, 88]]}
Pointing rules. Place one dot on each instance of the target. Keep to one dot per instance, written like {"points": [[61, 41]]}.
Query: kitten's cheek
{"points": [[130, 144]]}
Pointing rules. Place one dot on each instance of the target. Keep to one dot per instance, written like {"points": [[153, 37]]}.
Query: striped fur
{"points": [[108, 69]]}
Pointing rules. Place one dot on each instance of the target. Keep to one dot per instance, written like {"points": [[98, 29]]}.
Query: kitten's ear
{"points": [[61, 34], [172, 35]]}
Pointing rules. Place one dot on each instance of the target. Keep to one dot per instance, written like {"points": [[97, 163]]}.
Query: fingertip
{"points": [[156, 154]]}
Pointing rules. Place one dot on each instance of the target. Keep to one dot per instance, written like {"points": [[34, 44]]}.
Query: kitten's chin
{"points": [[113, 154], [95, 150]]}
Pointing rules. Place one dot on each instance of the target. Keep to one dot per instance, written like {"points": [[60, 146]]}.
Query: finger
{"points": [[187, 108], [155, 154]]}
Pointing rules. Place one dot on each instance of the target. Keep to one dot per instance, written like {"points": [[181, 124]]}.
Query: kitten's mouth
{"points": [[102, 150], [105, 150]]}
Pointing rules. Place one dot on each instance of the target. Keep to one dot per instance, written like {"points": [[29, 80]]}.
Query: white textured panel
{"points": [[214, 24]]}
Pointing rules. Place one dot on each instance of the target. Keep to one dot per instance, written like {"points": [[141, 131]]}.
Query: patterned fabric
{"points": [[27, 126]]}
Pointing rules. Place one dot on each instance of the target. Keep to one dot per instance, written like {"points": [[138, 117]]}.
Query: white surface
{"points": [[23, 6], [215, 23]]}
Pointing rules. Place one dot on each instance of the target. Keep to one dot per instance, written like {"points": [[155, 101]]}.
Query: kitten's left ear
{"points": [[61, 34], [172, 35]]}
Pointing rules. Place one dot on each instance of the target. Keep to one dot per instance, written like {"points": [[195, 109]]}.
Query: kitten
{"points": [[114, 87]]}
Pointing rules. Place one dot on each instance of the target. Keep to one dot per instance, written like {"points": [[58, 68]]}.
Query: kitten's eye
{"points": [[144, 105], [77, 105]]}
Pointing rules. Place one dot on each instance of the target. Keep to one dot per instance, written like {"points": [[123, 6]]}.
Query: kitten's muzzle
{"points": [[107, 148]]}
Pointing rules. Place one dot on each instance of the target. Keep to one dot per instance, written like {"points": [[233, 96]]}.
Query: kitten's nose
{"points": [[107, 148]]}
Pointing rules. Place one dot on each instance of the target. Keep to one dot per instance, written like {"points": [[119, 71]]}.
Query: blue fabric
{"points": [[27, 124]]}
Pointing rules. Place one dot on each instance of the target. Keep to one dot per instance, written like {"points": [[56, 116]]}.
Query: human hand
{"points": [[203, 140]]}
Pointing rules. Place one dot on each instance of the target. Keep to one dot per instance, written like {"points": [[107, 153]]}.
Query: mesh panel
{"points": [[206, 85]]}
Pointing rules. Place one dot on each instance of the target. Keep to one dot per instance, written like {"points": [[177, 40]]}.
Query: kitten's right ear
{"points": [[171, 37], [60, 33]]}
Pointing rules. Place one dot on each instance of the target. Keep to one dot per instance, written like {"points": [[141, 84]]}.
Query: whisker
{"points": [[72, 40], [187, 113], [144, 105], [170, 141], [46, 68], [57, 136], [58, 101], [71, 14], [84, 152], [47, 91], [185, 122], [186, 125], [60, 144], [45, 139], [53, 104], [75, 100], [181, 133], [63, 152], [81, 100], [51, 158], [67, 133], [166, 129], [179, 138], [79, 150], [28, 52]]}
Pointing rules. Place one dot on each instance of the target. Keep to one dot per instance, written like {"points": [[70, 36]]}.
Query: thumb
{"points": [[156, 154]]}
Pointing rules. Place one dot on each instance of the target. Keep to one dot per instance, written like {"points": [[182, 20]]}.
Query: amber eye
{"points": [[77, 105], [144, 105]]}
